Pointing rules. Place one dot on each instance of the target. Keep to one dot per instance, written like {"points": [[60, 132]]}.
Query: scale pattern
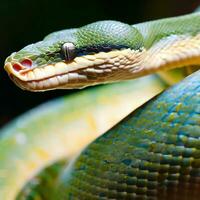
{"points": [[154, 153]]}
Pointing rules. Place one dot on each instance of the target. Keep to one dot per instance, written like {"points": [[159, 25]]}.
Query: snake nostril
{"points": [[26, 63], [17, 67]]}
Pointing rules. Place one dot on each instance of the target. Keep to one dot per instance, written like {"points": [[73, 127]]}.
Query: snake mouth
{"points": [[81, 72]]}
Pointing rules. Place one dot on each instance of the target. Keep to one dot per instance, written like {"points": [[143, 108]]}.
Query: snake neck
{"points": [[169, 43], [169, 53]]}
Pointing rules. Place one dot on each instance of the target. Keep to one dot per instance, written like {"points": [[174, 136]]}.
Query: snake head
{"points": [[75, 58]]}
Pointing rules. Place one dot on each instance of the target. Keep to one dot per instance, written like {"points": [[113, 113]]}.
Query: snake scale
{"points": [[154, 153]]}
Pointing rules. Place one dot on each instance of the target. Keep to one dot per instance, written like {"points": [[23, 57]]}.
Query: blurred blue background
{"points": [[24, 22]]}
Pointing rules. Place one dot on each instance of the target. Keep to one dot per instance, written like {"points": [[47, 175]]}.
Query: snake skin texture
{"points": [[154, 153]]}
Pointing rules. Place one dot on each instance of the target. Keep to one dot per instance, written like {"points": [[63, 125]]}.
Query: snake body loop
{"points": [[154, 153]]}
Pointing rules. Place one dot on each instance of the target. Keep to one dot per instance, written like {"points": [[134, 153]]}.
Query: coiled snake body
{"points": [[154, 153]]}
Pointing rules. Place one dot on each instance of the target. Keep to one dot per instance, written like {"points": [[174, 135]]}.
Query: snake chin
{"points": [[66, 81]]}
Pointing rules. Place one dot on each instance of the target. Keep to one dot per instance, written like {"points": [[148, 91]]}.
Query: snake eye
{"points": [[68, 50]]}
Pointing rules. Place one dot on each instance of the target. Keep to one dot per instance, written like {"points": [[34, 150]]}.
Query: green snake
{"points": [[154, 153]]}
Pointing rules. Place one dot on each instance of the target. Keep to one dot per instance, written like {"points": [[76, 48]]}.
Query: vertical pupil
{"points": [[68, 51]]}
